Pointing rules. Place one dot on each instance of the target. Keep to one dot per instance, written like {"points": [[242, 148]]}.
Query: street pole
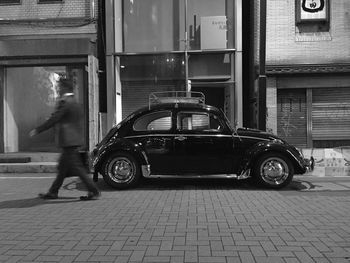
{"points": [[262, 69]]}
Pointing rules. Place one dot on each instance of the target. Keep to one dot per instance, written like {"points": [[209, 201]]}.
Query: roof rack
{"points": [[175, 97]]}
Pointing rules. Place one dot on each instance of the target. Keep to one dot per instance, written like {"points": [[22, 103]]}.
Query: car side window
{"points": [[198, 121], [155, 121]]}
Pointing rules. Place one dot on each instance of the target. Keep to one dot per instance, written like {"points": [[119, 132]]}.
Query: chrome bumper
{"points": [[310, 164]]}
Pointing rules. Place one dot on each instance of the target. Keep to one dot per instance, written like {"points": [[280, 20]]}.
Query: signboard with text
{"points": [[312, 10], [213, 32]]}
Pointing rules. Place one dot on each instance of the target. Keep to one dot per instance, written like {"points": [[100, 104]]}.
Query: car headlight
{"points": [[114, 137], [278, 141]]}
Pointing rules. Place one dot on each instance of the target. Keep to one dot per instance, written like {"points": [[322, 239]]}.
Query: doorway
{"points": [[214, 96], [292, 116]]}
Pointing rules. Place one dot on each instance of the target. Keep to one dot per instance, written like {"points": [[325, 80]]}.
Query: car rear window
{"points": [[155, 121]]}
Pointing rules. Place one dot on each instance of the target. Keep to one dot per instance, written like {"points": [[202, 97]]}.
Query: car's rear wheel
{"points": [[273, 170], [121, 170]]}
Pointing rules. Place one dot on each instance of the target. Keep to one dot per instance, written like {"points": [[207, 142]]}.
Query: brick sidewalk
{"points": [[173, 221]]}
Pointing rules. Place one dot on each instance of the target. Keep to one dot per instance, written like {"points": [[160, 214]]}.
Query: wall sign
{"points": [[213, 32], [312, 10]]}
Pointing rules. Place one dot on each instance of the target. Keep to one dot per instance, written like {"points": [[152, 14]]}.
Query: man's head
{"points": [[65, 86]]}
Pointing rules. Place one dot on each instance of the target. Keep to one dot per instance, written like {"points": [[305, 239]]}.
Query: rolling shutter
{"points": [[331, 114], [135, 93], [291, 116]]}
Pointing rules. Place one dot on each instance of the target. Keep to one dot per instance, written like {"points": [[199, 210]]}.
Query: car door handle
{"points": [[180, 138]]}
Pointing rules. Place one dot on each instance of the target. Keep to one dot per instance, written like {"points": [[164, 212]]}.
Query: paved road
{"points": [[176, 221]]}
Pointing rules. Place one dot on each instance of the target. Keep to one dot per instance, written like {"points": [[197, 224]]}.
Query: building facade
{"points": [[308, 72], [41, 40], [170, 45]]}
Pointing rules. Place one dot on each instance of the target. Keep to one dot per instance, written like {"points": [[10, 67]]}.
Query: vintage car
{"points": [[181, 136]]}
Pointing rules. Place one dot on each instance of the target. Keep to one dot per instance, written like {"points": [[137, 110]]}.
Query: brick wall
{"points": [[31, 18], [286, 46]]}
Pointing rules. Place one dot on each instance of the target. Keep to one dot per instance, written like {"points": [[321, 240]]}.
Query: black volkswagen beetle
{"points": [[184, 138]]}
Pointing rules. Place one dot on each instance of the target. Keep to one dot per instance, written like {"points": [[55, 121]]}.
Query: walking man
{"points": [[68, 118]]}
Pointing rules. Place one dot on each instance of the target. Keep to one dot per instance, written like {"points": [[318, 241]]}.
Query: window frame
{"points": [[182, 12], [153, 113], [50, 1], [11, 2], [209, 114]]}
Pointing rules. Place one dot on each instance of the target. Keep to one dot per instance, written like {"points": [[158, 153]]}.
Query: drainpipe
{"points": [[188, 82], [93, 9], [262, 68]]}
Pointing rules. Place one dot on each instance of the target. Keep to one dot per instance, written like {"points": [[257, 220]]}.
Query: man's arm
{"points": [[55, 117]]}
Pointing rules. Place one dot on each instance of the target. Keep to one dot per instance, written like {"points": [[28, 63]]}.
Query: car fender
{"points": [[263, 147], [121, 145]]}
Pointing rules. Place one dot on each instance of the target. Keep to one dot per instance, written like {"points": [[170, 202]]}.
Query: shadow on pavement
{"points": [[160, 185], [31, 202], [176, 184], [299, 185], [200, 184]]}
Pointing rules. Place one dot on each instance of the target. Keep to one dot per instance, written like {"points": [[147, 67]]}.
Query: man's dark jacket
{"points": [[68, 117]]}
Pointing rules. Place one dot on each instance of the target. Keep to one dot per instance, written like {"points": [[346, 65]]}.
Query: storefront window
{"points": [[161, 25], [191, 42], [210, 24], [151, 25], [29, 100], [152, 67], [144, 74], [213, 66]]}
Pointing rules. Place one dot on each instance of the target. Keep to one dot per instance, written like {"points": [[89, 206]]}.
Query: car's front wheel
{"points": [[273, 170], [121, 170]]}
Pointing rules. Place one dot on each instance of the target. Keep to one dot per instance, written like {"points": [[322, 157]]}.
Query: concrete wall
{"points": [[330, 162]]}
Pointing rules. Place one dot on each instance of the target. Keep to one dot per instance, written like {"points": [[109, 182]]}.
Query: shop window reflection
{"points": [[30, 99], [217, 66], [152, 67], [159, 25], [210, 24]]}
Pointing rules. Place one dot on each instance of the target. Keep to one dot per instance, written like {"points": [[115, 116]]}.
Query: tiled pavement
{"points": [[175, 221]]}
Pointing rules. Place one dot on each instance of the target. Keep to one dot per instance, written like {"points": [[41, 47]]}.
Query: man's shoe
{"points": [[90, 196], [48, 196]]}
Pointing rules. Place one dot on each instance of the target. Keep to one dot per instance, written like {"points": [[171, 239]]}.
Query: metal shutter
{"points": [[135, 93], [331, 114], [291, 116]]}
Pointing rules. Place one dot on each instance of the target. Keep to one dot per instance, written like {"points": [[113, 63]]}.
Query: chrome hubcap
{"points": [[274, 171], [121, 170]]}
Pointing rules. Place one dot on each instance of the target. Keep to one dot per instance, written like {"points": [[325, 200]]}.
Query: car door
{"points": [[154, 131], [202, 144]]}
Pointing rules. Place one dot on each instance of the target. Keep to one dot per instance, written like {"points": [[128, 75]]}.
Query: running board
{"points": [[190, 176], [146, 172]]}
